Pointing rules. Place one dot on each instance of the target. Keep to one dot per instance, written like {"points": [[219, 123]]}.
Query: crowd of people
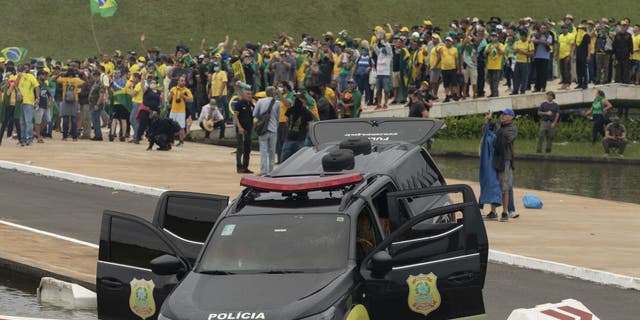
{"points": [[300, 80]]}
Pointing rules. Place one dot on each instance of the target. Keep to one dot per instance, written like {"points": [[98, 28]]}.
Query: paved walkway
{"points": [[579, 231]]}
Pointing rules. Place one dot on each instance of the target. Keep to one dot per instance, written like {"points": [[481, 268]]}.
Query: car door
{"points": [[426, 268], [186, 219], [126, 287]]}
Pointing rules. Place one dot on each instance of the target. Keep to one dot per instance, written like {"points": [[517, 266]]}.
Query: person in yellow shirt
{"points": [[566, 45], [69, 108], [523, 49], [494, 52], [435, 58], [179, 96], [450, 65], [137, 92], [28, 88], [109, 67], [635, 56], [218, 90]]}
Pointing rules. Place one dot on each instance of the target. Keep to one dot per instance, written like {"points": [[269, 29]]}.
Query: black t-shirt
{"points": [[151, 99], [299, 118], [549, 106], [244, 110], [44, 96], [416, 109]]}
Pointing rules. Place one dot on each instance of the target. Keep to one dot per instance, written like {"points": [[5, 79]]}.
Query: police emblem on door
{"points": [[423, 293], [141, 300]]}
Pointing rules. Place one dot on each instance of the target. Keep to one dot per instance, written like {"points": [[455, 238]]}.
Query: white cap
{"points": [[448, 39]]}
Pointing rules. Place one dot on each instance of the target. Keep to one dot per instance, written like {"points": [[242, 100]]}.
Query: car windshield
{"points": [[277, 244]]}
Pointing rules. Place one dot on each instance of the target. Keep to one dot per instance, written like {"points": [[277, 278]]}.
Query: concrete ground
{"points": [[575, 230]]}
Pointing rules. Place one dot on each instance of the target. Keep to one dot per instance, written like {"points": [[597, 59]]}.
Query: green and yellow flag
{"points": [[106, 8], [14, 54]]}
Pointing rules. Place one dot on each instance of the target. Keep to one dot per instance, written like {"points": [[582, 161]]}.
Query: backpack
{"points": [[70, 93], [262, 125]]}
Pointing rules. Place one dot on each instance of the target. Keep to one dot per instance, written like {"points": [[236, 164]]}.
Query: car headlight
{"points": [[328, 314], [163, 317]]}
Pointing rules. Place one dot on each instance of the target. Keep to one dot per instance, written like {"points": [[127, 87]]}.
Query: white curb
{"points": [[592, 275], [79, 178]]}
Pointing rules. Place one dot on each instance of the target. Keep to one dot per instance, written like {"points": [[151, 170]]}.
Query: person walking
{"points": [[267, 139], [598, 110], [549, 113], [503, 159]]}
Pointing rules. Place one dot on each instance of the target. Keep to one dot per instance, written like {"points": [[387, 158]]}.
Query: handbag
{"points": [[262, 125]]}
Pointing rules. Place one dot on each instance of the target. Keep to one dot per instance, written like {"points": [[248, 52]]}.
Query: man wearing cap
{"points": [[435, 61], [450, 65], [503, 160], [494, 52], [622, 50], [583, 55]]}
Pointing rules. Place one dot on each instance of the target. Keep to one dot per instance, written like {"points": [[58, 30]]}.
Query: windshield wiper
{"points": [[218, 272], [281, 271]]}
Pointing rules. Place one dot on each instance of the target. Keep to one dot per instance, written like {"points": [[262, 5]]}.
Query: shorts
{"points": [[395, 79], [470, 75], [635, 65], [504, 179], [41, 115], [449, 78], [383, 83], [435, 75], [120, 112], [179, 117]]}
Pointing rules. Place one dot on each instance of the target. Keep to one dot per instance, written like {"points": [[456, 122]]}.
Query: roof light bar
{"points": [[292, 184]]}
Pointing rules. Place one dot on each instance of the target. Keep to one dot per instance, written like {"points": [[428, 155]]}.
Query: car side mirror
{"points": [[381, 263], [166, 265]]}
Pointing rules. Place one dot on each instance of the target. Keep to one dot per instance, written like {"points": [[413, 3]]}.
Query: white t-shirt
{"points": [[206, 113], [383, 65]]}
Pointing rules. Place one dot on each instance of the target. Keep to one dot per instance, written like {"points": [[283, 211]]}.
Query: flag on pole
{"points": [[14, 54], [106, 8]]}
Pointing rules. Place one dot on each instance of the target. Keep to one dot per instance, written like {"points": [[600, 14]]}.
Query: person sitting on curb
{"points": [[615, 137]]}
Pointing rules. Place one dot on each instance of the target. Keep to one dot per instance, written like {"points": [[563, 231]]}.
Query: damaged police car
{"points": [[360, 226]]}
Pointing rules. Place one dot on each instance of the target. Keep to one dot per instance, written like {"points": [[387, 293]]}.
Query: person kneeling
{"points": [[162, 132], [615, 137]]}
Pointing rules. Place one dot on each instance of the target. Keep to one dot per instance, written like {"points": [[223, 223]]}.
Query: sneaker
{"points": [[385, 107], [96, 139], [514, 215], [248, 171], [491, 216], [504, 217], [122, 139], [111, 138], [180, 144]]}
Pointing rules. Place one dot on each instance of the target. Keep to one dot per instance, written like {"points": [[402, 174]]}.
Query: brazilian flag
{"points": [[106, 8], [14, 54]]}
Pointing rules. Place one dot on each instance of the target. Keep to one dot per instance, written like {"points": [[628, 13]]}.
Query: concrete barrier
{"points": [[569, 309], [65, 294]]}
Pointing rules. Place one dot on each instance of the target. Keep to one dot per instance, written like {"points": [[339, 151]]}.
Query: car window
{"points": [[281, 242], [134, 244], [191, 218]]}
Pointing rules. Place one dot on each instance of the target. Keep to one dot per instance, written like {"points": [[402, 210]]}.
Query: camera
{"points": [[178, 100]]}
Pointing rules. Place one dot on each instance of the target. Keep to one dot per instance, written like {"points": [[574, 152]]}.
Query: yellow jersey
{"points": [[523, 45], [177, 102], [449, 58], [636, 47], [495, 53]]}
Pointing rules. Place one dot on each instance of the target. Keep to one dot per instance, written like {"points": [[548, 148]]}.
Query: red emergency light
{"points": [[307, 183]]}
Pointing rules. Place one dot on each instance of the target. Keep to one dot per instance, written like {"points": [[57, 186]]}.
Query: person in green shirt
{"points": [[351, 100], [599, 109]]}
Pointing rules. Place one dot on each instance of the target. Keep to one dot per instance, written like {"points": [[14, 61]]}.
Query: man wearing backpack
{"points": [[69, 107], [364, 64], [267, 112]]}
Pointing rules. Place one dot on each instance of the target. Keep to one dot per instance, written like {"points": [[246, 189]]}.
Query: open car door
{"points": [[186, 219], [126, 286], [429, 266]]}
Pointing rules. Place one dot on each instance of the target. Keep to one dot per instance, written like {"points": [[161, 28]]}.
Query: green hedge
{"points": [[572, 129]]}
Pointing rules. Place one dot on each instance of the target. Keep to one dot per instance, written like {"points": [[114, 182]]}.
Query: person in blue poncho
{"points": [[489, 186]]}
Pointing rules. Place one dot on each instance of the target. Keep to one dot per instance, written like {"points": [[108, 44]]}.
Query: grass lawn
{"points": [[62, 28], [566, 149]]}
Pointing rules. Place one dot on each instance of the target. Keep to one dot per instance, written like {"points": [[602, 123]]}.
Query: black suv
{"points": [[360, 226]]}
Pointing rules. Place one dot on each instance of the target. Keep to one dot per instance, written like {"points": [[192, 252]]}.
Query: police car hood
{"points": [[247, 296]]}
